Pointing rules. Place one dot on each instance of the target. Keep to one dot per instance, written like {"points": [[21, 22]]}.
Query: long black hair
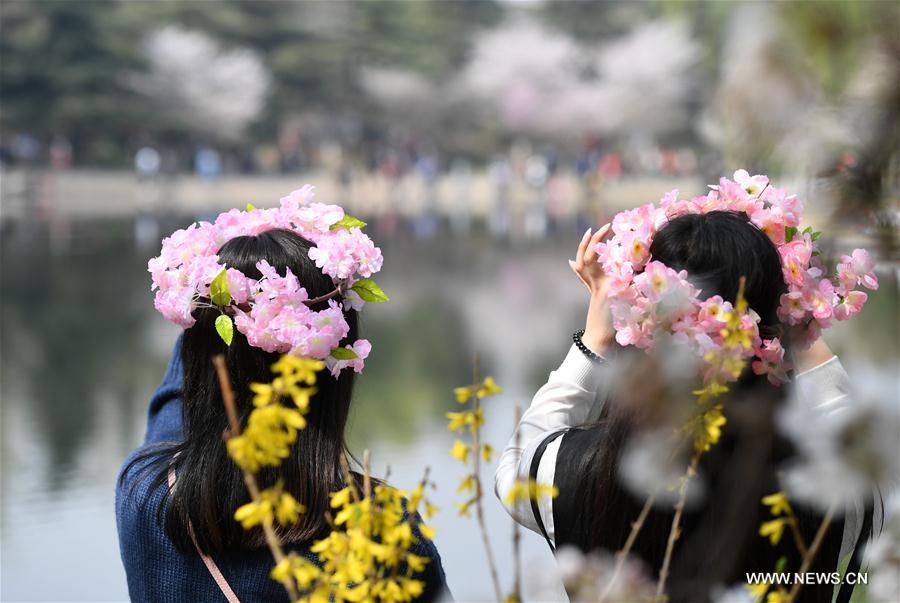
{"points": [[719, 541], [210, 485]]}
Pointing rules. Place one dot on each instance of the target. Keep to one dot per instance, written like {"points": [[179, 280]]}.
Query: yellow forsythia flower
{"points": [[529, 490], [460, 451], [457, 420], [778, 502], [299, 370], [757, 591], [488, 387], [463, 507], [777, 596], [710, 429], [303, 571], [467, 483], [773, 530], [288, 510], [362, 561], [273, 504], [254, 513], [462, 394], [264, 394]]}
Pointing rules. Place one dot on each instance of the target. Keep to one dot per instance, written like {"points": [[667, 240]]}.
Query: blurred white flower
{"points": [[761, 94], [393, 87], [540, 80], [214, 90], [847, 446], [650, 465], [587, 577], [649, 77], [735, 594], [883, 556]]}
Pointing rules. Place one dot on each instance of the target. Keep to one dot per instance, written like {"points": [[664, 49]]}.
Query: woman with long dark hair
{"points": [[582, 421], [177, 494]]}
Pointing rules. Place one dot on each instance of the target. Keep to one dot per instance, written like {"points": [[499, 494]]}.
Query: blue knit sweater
{"points": [[156, 570]]}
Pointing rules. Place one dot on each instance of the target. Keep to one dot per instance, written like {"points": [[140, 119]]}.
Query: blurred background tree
{"points": [[110, 76]]}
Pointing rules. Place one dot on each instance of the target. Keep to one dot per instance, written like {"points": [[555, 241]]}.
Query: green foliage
{"points": [[348, 222], [225, 328], [369, 290], [343, 354], [218, 290], [62, 71], [67, 67], [834, 36], [789, 233]]}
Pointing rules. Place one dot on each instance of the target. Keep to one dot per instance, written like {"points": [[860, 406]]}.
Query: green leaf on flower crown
{"points": [[250, 207], [815, 236], [218, 289], [343, 354], [807, 230], [225, 328], [789, 233], [348, 222], [369, 290]]}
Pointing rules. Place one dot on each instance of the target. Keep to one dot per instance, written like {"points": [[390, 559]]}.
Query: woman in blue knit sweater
{"points": [[179, 541]]}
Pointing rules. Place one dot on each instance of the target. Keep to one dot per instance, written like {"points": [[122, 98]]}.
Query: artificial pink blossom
{"points": [[858, 266], [270, 311], [656, 280], [851, 304], [770, 362], [792, 307], [753, 185], [795, 258], [772, 222], [361, 347], [647, 297], [820, 299], [239, 285]]}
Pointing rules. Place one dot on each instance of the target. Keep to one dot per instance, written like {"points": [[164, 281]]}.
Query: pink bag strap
{"points": [[214, 570]]}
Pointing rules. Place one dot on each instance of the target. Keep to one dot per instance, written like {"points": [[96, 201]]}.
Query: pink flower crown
{"points": [[273, 312], [649, 298]]}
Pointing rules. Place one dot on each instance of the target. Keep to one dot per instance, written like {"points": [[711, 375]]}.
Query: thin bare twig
{"points": [[479, 493], [318, 300], [675, 532], [622, 555], [249, 479], [517, 533], [798, 537], [810, 555], [348, 477], [367, 477]]}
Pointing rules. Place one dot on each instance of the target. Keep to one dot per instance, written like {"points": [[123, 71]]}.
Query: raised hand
{"points": [[585, 264], [598, 330]]}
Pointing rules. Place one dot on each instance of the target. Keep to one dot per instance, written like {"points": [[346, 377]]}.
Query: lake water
{"points": [[83, 350]]}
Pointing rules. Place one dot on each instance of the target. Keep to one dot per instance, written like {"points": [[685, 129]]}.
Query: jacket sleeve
{"points": [[164, 423], [573, 395], [826, 386]]}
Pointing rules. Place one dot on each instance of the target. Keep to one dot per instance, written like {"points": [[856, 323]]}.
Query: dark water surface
{"points": [[83, 349]]}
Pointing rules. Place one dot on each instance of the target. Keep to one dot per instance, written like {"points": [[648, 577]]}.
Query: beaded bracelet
{"points": [[576, 337]]}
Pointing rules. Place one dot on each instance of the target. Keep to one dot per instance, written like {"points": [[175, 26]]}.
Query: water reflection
{"points": [[82, 350], [69, 322]]}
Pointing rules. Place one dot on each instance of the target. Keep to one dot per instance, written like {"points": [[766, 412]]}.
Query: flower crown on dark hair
{"points": [[274, 311], [649, 298]]}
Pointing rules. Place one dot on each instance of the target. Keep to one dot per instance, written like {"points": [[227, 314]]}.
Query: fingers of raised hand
{"points": [[590, 254], [582, 248], [577, 273]]}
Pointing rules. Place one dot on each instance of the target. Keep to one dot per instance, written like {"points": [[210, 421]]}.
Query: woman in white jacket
{"points": [[572, 436]]}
